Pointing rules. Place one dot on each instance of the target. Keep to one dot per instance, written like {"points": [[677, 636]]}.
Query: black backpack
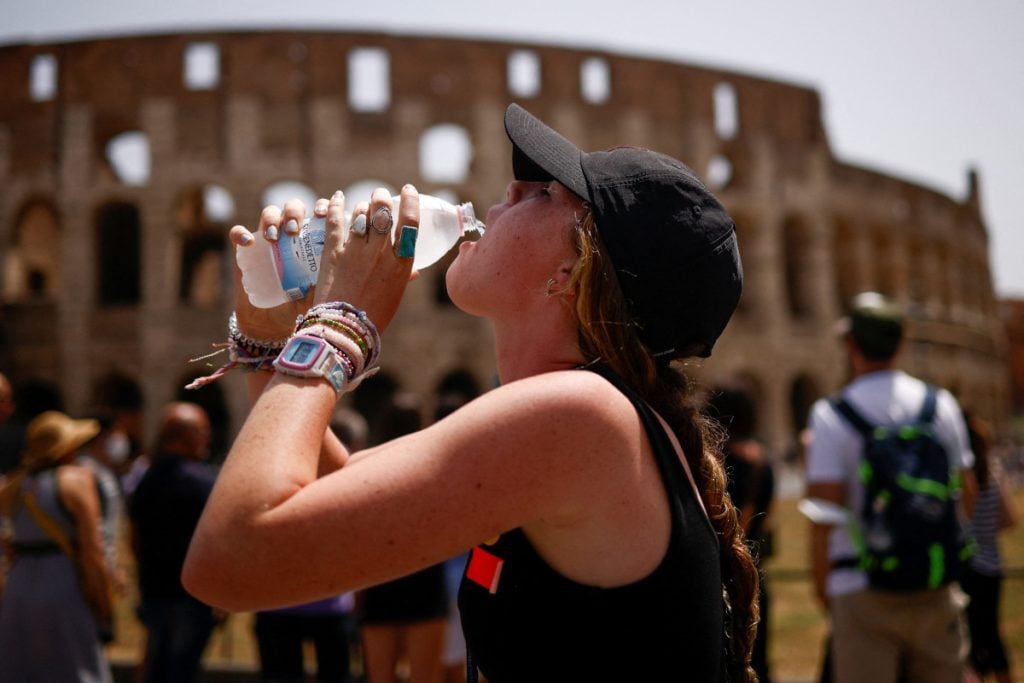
{"points": [[909, 535]]}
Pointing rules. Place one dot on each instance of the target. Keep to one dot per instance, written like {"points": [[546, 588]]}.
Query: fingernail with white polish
{"points": [[246, 238], [291, 227], [272, 232]]}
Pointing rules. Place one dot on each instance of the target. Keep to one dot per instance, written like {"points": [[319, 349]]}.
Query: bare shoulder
{"points": [[77, 484], [574, 401], [572, 390], [75, 475], [559, 425]]}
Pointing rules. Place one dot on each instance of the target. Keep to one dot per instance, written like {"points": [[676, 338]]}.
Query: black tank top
{"points": [[526, 622]]}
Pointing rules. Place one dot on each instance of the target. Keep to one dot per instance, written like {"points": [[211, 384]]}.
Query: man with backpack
{"points": [[893, 451]]}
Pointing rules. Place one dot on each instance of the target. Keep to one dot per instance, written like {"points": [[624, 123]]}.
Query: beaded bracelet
{"points": [[344, 327], [349, 332], [243, 351], [253, 347], [350, 321], [342, 343]]}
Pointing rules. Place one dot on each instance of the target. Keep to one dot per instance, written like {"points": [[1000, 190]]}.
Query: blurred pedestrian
{"points": [[164, 512], [404, 619], [57, 596], [327, 624], [103, 454], [894, 605], [9, 438], [983, 582], [751, 486]]}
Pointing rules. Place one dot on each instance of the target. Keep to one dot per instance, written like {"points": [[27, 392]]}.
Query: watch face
{"points": [[301, 353]]}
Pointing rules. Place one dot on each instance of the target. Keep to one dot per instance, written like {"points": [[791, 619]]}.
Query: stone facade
{"points": [[231, 114]]}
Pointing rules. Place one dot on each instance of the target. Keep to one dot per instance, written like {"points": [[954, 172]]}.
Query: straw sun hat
{"points": [[52, 435]]}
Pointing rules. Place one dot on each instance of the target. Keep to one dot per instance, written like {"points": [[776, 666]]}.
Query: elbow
{"points": [[200, 577], [234, 577], [209, 578]]}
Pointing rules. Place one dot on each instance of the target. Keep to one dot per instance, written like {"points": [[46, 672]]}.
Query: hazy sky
{"points": [[924, 89]]}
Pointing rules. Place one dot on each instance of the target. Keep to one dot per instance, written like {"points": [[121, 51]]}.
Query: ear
{"points": [[558, 283]]}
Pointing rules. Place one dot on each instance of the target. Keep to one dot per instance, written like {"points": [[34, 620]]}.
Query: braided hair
{"points": [[607, 335]]}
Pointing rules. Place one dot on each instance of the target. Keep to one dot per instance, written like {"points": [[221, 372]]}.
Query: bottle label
{"points": [[297, 258]]}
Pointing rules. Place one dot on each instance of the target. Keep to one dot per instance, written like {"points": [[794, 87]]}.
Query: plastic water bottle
{"points": [[274, 273]]}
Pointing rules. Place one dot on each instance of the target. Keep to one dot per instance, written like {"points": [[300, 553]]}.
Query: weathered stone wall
{"points": [[813, 230]]}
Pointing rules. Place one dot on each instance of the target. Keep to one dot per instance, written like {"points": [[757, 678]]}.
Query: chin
{"points": [[461, 296]]}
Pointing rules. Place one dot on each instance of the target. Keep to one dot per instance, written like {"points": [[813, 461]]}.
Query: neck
{"points": [[866, 367], [544, 344]]}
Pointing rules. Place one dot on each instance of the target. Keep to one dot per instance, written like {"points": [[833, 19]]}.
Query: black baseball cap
{"points": [[875, 323], [671, 242]]}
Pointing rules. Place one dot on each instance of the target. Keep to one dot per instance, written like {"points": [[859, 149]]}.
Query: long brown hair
{"points": [[607, 335]]}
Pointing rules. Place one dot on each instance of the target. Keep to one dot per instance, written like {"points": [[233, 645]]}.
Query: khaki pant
{"points": [[877, 634]]}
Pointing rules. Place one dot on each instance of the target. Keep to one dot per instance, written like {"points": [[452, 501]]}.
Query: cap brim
{"points": [[539, 153]]}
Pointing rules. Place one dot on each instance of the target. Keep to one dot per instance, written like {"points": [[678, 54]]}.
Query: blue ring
{"points": [[407, 241]]}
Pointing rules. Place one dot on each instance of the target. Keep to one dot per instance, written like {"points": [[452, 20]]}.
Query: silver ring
{"points": [[359, 224], [377, 228]]}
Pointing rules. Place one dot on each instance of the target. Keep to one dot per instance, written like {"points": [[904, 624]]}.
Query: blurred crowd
{"points": [[76, 493]]}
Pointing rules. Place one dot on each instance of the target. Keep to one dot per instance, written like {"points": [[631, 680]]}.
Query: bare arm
{"points": [[333, 454], [77, 489], [278, 323], [551, 454], [1007, 510], [969, 488], [834, 493], [520, 454]]}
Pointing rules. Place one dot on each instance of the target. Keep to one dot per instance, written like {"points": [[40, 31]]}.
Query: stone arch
{"points": [[746, 240], [445, 153], [43, 77], [202, 214], [960, 281], [35, 394], [118, 249], [725, 102], [943, 295], [369, 79], [127, 157], [595, 80], [844, 250], [201, 65], [32, 263], [721, 172], [797, 276], [885, 279], [523, 73], [919, 285], [804, 390], [281, 191]]}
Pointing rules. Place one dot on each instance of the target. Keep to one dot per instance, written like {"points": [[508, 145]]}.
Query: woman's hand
{"points": [[365, 269], [271, 324]]}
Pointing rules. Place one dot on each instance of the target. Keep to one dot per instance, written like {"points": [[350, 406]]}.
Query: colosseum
{"points": [[122, 162]]}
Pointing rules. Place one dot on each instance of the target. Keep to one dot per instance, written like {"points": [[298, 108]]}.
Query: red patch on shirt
{"points": [[484, 569]]}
